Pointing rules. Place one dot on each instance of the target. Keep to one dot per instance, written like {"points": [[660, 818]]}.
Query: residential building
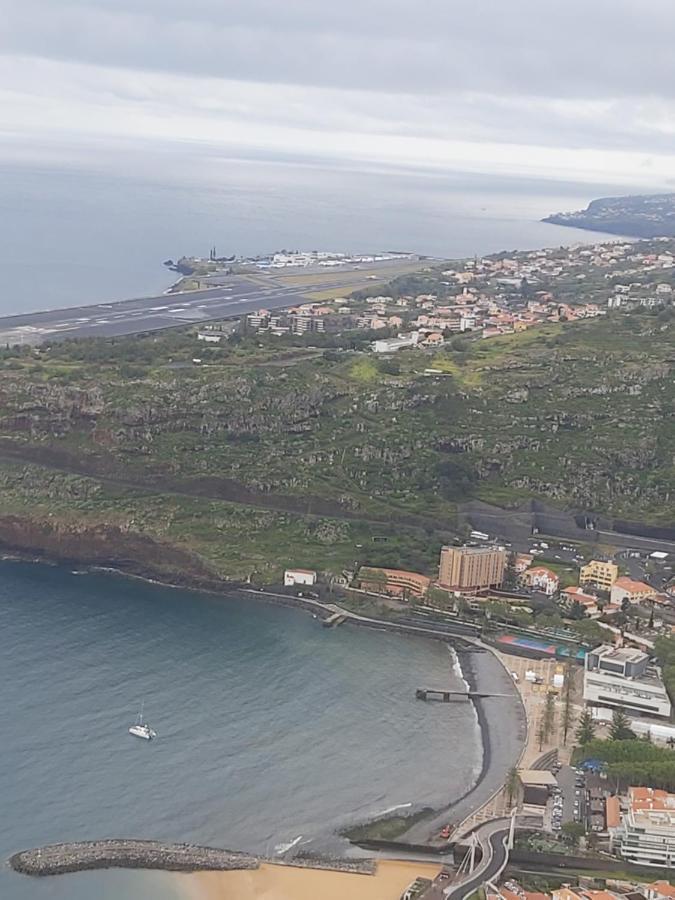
{"points": [[659, 890], [396, 582], [588, 601], [600, 573], [539, 578], [472, 568], [623, 676], [303, 323], [523, 561], [646, 835], [299, 576], [633, 591], [392, 345]]}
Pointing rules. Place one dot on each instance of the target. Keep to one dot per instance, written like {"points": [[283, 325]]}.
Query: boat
{"points": [[141, 729]]}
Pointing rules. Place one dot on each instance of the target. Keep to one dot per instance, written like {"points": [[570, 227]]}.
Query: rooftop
{"points": [[635, 587], [620, 654], [537, 777]]}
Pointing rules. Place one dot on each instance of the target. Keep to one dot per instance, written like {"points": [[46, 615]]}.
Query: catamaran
{"points": [[141, 729]]}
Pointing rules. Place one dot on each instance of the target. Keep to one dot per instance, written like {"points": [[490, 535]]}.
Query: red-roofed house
{"points": [[588, 601], [540, 578], [659, 890], [634, 591]]}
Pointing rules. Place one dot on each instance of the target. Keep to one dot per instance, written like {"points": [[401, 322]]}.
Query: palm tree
{"points": [[512, 782]]}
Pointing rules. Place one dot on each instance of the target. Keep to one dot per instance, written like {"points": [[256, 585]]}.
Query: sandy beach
{"points": [[271, 882]]}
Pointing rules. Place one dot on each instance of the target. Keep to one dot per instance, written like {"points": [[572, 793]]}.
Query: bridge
{"points": [[484, 861]]}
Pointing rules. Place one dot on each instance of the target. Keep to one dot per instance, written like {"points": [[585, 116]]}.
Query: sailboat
{"points": [[141, 729]]}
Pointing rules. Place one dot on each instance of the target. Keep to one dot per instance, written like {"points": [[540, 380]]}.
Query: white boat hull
{"points": [[142, 731]]}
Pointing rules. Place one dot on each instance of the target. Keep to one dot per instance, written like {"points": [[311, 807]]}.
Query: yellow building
{"points": [[600, 573], [471, 568]]}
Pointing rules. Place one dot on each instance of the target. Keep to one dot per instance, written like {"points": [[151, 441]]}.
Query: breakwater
{"points": [[59, 859]]}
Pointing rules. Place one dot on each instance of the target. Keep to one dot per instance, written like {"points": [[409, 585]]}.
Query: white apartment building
{"points": [[623, 676], [646, 833]]}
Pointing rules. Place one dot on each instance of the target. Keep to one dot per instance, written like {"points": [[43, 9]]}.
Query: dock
{"points": [[334, 620], [443, 696]]}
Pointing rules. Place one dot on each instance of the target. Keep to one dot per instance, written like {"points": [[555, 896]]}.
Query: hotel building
{"points": [[471, 568]]}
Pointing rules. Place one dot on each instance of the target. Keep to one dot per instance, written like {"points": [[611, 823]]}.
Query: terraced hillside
{"points": [[262, 457]]}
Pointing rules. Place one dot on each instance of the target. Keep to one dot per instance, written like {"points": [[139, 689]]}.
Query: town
{"points": [[486, 297]]}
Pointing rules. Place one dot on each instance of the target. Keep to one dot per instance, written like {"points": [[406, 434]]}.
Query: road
{"points": [[492, 839], [234, 296]]}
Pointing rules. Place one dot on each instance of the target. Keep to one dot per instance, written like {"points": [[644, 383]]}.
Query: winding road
{"points": [[492, 840]]}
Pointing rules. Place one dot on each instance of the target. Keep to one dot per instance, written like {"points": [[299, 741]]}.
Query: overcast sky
{"points": [[564, 89]]}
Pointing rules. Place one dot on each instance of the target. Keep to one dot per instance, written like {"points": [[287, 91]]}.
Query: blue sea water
{"points": [[71, 236], [269, 726]]}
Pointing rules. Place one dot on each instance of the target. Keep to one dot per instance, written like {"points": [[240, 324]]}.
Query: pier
{"points": [[443, 696], [334, 620], [59, 859]]}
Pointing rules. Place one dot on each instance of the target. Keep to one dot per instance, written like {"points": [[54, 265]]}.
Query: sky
{"points": [[579, 90]]}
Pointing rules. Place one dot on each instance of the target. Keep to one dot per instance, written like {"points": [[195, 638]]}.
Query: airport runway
{"points": [[145, 314], [234, 296]]}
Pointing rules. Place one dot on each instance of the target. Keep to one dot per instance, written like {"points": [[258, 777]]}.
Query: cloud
{"points": [[553, 89]]}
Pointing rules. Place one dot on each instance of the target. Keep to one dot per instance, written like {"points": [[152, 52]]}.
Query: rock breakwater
{"points": [[59, 859]]}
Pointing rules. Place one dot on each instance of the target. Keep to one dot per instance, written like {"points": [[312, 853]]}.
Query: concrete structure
{"points": [[623, 677], [646, 834], [633, 591], [540, 578], [472, 568], [600, 573], [537, 785], [391, 345], [396, 582], [211, 337], [299, 576]]}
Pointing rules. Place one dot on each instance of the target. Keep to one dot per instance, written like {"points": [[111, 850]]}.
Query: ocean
{"points": [[72, 236], [269, 726]]}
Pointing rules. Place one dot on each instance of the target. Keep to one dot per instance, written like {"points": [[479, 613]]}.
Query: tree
{"points": [[548, 719], [510, 574], [512, 782], [586, 728], [573, 831], [567, 713], [620, 729]]}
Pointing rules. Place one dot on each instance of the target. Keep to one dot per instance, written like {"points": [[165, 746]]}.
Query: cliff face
{"points": [[104, 545]]}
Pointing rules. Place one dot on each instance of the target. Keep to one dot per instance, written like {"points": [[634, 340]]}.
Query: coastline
{"points": [[496, 756]]}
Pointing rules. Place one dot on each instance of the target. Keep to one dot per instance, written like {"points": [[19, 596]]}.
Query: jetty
{"points": [[59, 859], [443, 696], [334, 620]]}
